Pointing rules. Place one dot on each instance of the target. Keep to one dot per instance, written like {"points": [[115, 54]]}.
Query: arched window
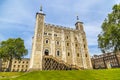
{"points": [[46, 52], [75, 38], [57, 42], [46, 41], [58, 53], [67, 37]]}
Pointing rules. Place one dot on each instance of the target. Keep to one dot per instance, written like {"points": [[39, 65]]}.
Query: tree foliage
{"points": [[109, 38], [12, 49]]}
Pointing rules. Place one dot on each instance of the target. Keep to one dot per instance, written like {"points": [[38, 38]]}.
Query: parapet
{"points": [[58, 26]]}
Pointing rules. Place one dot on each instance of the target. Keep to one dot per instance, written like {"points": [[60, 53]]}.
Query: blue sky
{"points": [[17, 17]]}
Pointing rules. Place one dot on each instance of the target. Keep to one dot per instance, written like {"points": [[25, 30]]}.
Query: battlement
{"points": [[58, 26], [103, 55]]}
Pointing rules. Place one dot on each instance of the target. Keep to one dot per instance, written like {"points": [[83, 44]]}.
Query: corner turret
{"points": [[79, 25]]}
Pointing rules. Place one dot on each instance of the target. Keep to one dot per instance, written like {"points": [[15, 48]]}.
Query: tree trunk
{"points": [[10, 65]]}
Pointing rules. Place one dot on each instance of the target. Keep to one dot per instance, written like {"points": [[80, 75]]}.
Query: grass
{"points": [[4, 75], [110, 74]]}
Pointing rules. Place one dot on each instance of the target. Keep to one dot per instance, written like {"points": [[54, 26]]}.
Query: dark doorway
{"points": [[46, 52]]}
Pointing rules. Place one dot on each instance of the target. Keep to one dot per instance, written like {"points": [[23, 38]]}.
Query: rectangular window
{"points": [[45, 33], [18, 66], [76, 45], [55, 35], [77, 54], [49, 34], [67, 44], [19, 61], [84, 46], [14, 65]]}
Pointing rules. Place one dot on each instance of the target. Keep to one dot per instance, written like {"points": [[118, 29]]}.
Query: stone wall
{"points": [[103, 60]]}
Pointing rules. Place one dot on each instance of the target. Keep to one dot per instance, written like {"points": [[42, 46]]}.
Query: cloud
{"points": [[92, 31]]}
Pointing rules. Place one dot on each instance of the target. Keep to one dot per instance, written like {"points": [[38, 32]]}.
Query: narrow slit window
{"points": [[68, 54]]}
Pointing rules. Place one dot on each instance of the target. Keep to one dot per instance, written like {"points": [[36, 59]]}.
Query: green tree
{"points": [[12, 49], [109, 38]]}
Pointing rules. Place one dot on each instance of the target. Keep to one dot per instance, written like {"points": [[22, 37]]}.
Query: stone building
{"points": [[107, 60], [17, 65], [58, 48]]}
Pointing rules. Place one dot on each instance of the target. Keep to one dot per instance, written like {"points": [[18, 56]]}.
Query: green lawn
{"points": [[110, 74], [4, 75]]}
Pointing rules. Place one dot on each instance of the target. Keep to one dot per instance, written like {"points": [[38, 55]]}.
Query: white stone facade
{"points": [[66, 44]]}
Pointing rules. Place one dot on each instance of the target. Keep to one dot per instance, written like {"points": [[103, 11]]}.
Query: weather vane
{"points": [[41, 8], [77, 17]]}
